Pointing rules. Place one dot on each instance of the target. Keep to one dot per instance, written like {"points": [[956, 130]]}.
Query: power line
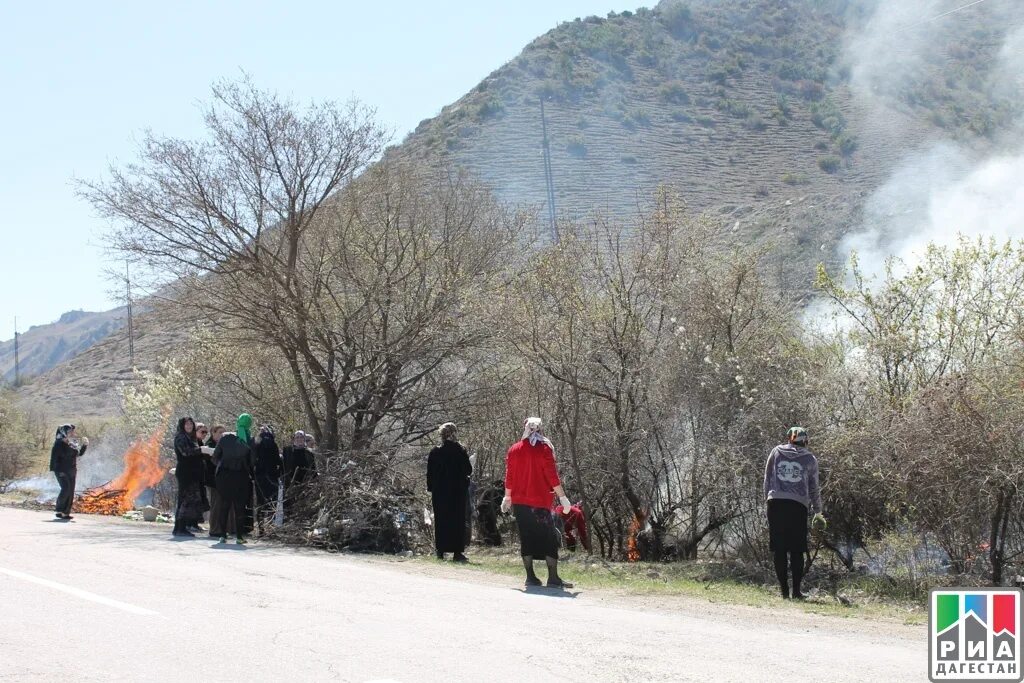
{"points": [[941, 16], [548, 175], [17, 360], [131, 326]]}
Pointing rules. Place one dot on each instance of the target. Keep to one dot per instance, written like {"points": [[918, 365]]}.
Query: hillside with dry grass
{"points": [[731, 102]]}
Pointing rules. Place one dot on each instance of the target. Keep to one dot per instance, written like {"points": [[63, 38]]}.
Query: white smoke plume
{"points": [[947, 188], [103, 461]]}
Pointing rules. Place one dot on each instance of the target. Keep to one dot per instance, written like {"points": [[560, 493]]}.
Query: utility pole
{"points": [[548, 176], [17, 360], [131, 322]]}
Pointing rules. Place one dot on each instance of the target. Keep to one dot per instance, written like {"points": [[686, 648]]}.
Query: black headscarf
{"points": [[63, 431]]}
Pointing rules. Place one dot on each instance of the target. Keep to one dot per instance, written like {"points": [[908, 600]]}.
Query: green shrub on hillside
{"points": [[577, 146], [677, 17], [673, 91], [829, 164]]}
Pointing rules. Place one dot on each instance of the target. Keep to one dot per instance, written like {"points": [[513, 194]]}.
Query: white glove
{"points": [[565, 504], [85, 441], [207, 450], [506, 504]]}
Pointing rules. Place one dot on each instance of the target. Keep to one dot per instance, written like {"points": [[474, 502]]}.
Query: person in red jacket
{"points": [[530, 477]]}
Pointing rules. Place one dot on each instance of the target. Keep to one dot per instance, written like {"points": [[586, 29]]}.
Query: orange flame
{"points": [[142, 470], [632, 551]]}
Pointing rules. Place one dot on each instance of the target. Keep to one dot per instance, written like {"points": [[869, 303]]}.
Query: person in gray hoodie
{"points": [[791, 491]]}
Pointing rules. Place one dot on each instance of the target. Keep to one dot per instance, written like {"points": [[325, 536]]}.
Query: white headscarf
{"points": [[533, 431]]}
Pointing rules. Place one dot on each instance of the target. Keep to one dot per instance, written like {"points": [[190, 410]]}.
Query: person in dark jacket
{"points": [[267, 469], [188, 470], [487, 513], [448, 472], [64, 455], [299, 468], [234, 459]]}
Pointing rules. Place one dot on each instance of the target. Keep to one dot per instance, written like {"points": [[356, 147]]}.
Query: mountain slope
{"points": [[731, 102], [44, 347], [85, 385]]}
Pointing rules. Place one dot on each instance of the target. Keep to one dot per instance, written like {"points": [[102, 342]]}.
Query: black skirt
{"points": [[191, 503], [787, 526], [537, 534]]}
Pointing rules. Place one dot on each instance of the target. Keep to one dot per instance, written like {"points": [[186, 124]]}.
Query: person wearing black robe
{"points": [[188, 471], [234, 460], [64, 455], [448, 472], [299, 468], [267, 468]]}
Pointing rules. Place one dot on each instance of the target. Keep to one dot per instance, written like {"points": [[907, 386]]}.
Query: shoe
{"points": [[460, 558], [223, 540], [799, 596], [564, 585], [195, 529], [533, 582], [68, 517], [185, 533], [440, 556], [60, 515]]}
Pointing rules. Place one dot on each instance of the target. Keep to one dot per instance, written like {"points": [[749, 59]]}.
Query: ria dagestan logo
{"points": [[974, 634]]}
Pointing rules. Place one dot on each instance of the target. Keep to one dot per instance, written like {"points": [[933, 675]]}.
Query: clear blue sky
{"points": [[80, 80]]}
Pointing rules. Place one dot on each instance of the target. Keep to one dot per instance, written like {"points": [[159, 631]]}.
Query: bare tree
{"points": [[362, 280]]}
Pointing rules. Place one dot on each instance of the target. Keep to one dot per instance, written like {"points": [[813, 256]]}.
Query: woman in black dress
{"points": [[189, 473], [448, 472]]}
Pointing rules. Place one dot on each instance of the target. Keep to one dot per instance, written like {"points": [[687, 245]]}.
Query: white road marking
{"points": [[77, 592]]}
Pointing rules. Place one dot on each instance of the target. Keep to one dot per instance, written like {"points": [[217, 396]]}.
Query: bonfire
{"points": [[142, 470]]}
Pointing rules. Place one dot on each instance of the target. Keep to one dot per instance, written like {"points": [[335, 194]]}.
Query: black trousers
{"points": [[234, 489], [66, 480]]}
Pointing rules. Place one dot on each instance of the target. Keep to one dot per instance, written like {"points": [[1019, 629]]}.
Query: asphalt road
{"points": [[104, 599]]}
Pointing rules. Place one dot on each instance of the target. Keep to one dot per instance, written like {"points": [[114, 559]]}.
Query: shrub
{"points": [[740, 110], [576, 146], [628, 159], [794, 178], [673, 91], [489, 108], [706, 121], [677, 17], [755, 122], [636, 116], [847, 144], [829, 164]]}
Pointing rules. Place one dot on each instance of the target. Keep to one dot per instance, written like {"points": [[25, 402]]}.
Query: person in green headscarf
{"points": [[242, 427], [233, 458]]}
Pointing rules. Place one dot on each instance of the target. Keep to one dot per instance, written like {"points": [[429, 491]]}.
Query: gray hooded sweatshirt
{"points": [[791, 473]]}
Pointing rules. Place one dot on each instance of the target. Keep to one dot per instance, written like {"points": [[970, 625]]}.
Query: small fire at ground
{"points": [[632, 550], [142, 470]]}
